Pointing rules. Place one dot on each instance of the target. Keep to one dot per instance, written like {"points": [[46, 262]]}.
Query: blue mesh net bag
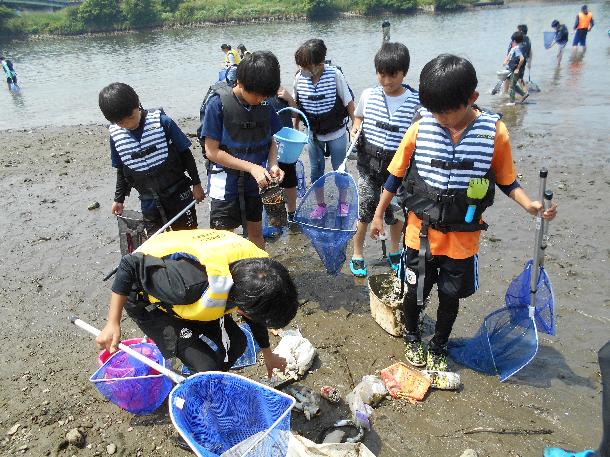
{"points": [[227, 414], [132, 385], [518, 296], [332, 224], [248, 358], [505, 343]]}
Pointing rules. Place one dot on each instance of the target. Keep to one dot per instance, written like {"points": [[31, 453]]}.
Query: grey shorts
{"points": [[370, 187]]}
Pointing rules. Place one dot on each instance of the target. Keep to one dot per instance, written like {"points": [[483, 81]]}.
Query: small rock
{"points": [[13, 429], [469, 453], [75, 438], [111, 448], [67, 160], [93, 206], [23, 448]]}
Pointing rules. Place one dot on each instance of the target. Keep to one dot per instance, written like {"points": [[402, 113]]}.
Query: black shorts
{"points": [[182, 338], [456, 278], [290, 175], [172, 205], [226, 214]]}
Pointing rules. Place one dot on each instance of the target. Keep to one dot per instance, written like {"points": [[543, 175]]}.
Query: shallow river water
{"points": [[61, 77]]}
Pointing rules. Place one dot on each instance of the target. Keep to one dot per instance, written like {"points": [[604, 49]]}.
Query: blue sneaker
{"points": [[358, 268], [394, 260], [557, 452]]}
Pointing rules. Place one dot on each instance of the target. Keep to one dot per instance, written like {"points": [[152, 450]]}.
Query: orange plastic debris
{"points": [[405, 383]]}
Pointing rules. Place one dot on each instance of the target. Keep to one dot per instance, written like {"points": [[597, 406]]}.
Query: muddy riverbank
{"points": [[54, 253]]}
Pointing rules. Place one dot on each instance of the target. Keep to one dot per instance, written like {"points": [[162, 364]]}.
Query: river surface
{"points": [[61, 77]]}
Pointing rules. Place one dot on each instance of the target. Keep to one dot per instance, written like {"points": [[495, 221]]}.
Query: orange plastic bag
{"points": [[405, 383]]}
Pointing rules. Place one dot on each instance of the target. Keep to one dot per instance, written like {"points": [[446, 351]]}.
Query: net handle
{"points": [[162, 229], [300, 113], [341, 168], [142, 358], [538, 240]]}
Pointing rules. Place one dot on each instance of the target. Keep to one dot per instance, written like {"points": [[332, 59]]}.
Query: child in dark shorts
{"points": [[384, 113], [453, 146], [151, 154], [283, 99], [237, 135]]}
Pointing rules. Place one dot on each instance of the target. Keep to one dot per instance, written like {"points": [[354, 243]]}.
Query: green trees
{"points": [[141, 13], [102, 14], [5, 15]]}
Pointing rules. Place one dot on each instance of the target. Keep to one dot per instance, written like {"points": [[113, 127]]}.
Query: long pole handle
{"points": [[162, 229], [537, 243], [547, 202], [341, 168], [142, 358]]}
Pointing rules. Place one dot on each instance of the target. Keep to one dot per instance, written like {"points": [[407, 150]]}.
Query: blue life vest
{"points": [[382, 131], [437, 180], [151, 165], [320, 102]]}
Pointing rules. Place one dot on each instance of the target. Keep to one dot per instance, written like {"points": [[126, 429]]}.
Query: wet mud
{"points": [[54, 252]]}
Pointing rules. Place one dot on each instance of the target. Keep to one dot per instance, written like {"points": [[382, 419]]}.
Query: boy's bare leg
{"points": [[395, 236], [255, 233], [291, 199], [361, 229]]}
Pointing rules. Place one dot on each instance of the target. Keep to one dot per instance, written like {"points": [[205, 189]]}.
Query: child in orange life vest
{"points": [[451, 144], [584, 23]]}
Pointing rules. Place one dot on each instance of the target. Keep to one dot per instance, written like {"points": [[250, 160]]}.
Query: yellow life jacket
{"points": [[235, 56], [215, 250], [584, 20]]}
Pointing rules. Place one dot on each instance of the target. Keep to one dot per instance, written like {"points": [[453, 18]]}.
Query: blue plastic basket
{"points": [[224, 413], [290, 142], [132, 385]]}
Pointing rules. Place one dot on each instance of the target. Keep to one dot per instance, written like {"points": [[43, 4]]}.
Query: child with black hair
{"points": [[151, 154], [321, 92], [515, 60], [181, 287], [384, 113], [561, 37], [236, 133], [454, 146], [9, 71]]}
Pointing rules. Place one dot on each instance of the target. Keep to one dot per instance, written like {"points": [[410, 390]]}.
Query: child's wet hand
{"points": [[276, 173], [198, 193], [550, 213], [109, 338], [260, 175], [377, 228], [117, 208], [274, 361]]}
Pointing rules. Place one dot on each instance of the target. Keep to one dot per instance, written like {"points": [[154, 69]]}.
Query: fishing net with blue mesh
{"points": [[332, 224], [505, 343], [248, 358], [132, 385], [227, 414], [518, 296]]}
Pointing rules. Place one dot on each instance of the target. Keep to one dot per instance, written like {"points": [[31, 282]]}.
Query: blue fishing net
{"points": [[330, 229], [505, 343], [549, 39], [224, 413], [131, 384], [248, 358], [518, 296]]}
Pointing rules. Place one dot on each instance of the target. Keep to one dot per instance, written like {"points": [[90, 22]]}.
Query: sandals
{"points": [[358, 268]]}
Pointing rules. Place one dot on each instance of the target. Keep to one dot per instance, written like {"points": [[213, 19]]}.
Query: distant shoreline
{"points": [[424, 6]]}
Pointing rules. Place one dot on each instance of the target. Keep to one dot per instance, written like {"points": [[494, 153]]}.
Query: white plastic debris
{"points": [[298, 352], [368, 393]]}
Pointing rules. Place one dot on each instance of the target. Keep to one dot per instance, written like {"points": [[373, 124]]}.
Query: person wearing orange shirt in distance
{"points": [[584, 23], [452, 145]]}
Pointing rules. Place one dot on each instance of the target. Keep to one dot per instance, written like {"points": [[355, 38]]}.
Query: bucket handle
{"points": [[300, 113]]}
